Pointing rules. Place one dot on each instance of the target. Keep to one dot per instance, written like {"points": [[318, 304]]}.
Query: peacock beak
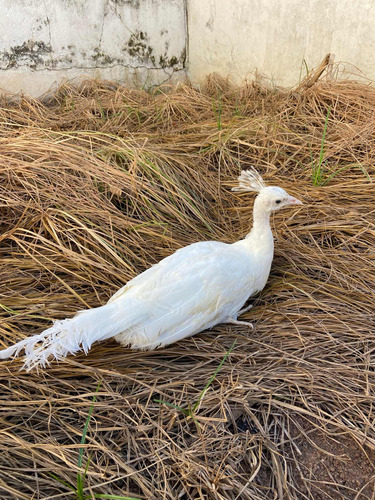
{"points": [[294, 201]]}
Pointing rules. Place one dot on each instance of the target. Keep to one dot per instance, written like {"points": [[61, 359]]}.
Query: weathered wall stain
{"points": [[36, 54], [138, 48], [31, 53], [143, 41], [135, 3]]}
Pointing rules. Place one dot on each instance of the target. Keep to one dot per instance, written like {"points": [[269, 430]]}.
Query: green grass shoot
{"points": [[217, 111], [321, 176], [190, 410], [79, 489], [319, 165]]}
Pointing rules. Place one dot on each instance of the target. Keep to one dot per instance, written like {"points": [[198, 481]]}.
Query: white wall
{"points": [[42, 42], [240, 37], [144, 42]]}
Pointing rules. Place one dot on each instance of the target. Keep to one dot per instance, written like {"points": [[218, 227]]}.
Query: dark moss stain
{"points": [[133, 3], [31, 53], [171, 62], [101, 58], [138, 47], [183, 57], [38, 55]]}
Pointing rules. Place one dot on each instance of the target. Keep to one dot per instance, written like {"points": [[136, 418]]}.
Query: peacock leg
{"points": [[245, 309], [233, 321]]}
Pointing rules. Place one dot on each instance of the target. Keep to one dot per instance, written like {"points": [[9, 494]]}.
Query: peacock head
{"points": [[271, 198]]}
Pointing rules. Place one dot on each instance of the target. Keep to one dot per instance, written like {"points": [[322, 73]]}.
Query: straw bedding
{"points": [[98, 183]]}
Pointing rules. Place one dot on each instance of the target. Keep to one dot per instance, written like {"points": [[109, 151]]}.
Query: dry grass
{"points": [[101, 182]]}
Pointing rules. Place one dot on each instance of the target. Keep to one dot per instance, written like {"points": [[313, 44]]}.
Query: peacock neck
{"points": [[261, 219]]}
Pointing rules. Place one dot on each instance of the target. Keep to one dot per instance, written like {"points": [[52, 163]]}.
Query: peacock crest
{"points": [[250, 180]]}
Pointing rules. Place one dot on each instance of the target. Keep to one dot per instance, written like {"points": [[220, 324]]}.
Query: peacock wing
{"points": [[193, 296], [166, 268]]}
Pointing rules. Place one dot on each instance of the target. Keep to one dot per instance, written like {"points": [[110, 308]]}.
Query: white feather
{"points": [[195, 288], [250, 180], [69, 336]]}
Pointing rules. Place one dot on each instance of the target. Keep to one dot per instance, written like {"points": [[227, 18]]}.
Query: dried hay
{"points": [[99, 183]]}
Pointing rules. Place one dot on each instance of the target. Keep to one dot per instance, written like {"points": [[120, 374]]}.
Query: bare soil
{"points": [[330, 465]]}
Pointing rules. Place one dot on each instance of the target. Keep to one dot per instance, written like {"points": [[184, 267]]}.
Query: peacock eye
{"points": [[278, 201]]}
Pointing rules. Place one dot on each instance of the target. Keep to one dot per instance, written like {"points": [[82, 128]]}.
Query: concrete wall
{"points": [[42, 42], [273, 37], [145, 42]]}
